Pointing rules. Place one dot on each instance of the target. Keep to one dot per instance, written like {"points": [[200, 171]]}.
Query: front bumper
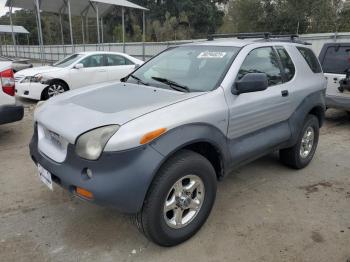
{"points": [[120, 179], [30, 90], [11, 113], [338, 102]]}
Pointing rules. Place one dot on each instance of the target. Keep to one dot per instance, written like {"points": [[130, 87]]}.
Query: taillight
{"points": [[8, 82]]}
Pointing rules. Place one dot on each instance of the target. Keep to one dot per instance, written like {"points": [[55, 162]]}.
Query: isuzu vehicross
{"points": [[156, 144]]}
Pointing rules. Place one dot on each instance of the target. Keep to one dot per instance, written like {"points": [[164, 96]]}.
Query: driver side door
{"points": [[94, 71], [258, 120]]}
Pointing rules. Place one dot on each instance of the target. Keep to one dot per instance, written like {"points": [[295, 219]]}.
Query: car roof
{"points": [[99, 52], [235, 42], [224, 42]]}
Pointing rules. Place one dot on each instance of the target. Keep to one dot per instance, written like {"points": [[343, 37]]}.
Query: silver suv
{"points": [[156, 144]]}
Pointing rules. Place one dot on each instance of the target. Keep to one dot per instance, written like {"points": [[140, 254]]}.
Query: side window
{"points": [[262, 60], [93, 61], [116, 60], [337, 59], [287, 63], [311, 59]]}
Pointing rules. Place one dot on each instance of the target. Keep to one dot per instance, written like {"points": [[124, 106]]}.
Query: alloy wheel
{"points": [[184, 201], [55, 90]]}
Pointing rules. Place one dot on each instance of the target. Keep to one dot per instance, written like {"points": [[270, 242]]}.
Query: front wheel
{"points": [[179, 200], [56, 88], [300, 155]]}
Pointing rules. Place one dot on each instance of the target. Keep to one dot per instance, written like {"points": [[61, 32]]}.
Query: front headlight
{"points": [[91, 144], [27, 79], [37, 78]]}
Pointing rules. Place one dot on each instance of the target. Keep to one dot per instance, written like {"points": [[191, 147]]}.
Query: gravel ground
{"points": [[264, 211]]}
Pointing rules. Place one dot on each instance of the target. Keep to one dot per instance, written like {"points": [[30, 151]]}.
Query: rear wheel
{"points": [[179, 200], [56, 88], [300, 155]]}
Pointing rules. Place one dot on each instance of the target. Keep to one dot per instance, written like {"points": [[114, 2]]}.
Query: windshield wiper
{"points": [[172, 84], [139, 80]]}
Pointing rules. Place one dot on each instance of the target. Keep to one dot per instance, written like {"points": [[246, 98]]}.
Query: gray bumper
{"points": [[338, 102], [120, 179], [11, 113]]}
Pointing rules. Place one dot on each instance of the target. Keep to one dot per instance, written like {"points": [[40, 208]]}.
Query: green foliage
{"points": [[285, 16], [169, 20]]}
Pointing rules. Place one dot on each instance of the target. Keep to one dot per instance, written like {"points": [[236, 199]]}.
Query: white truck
{"points": [[335, 60], [9, 110]]}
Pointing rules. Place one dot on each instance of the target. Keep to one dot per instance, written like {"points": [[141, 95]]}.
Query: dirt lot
{"points": [[263, 212]]}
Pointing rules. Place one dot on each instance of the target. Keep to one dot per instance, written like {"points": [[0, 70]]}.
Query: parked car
{"points": [[75, 71], [17, 63], [156, 144], [335, 60], [9, 111]]}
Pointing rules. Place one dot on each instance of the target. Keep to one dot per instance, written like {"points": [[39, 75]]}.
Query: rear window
{"points": [[311, 59], [336, 59]]}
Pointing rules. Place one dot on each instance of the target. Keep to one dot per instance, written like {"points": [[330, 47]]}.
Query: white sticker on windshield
{"points": [[212, 55]]}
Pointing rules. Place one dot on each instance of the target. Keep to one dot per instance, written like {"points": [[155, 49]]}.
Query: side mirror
{"points": [[251, 82], [79, 66], [137, 66]]}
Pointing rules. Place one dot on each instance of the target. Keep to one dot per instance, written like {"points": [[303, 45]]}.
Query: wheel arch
{"points": [[313, 104], [203, 139], [319, 112], [42, 97]]}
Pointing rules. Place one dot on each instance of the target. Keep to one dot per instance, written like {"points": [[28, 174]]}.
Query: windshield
{"points": [[68, 60], [192, 68]]}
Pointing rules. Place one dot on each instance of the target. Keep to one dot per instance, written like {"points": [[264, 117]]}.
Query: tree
{"points": [[286, 16]]}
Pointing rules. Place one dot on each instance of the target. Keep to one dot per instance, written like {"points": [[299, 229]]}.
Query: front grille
{"points": [[52, 145], [18, 78]]}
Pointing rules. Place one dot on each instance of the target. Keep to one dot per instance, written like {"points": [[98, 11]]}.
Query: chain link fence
{"points": [[144, 51]]}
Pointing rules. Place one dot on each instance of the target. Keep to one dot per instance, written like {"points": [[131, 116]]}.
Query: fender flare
{"points": [[186, 135]]}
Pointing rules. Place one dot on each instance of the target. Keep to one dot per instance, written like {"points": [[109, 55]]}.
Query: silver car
{"points": [[18, 64], [156, 144]]}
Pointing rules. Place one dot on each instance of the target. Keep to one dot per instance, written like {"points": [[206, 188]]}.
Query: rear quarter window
{"points": [[311, 59], [287, 63]]}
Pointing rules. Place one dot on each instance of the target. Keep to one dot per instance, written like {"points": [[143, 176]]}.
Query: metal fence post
{"points": [[51, 53], [123, 25], [143, 51]]}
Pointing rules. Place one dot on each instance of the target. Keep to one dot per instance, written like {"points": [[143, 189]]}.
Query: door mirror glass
{"points": [[251, 82], [79, 66]]}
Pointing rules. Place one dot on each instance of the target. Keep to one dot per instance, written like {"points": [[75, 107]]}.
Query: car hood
{"points": [[38, 70], [79, 111]]}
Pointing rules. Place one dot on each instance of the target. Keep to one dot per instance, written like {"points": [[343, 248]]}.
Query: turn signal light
{"points": [[152, 135], [84, 193]]}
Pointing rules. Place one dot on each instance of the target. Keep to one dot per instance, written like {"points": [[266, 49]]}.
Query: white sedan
{"points": [[75, 71]]}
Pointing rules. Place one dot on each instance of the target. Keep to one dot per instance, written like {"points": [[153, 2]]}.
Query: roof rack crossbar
{"points": [[265, 35]]}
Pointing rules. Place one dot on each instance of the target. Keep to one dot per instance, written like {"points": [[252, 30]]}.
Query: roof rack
{"points": [[266, 36]]}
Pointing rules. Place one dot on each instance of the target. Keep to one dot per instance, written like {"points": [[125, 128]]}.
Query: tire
{"points": [[158, 225], [293, 156], [57, 87]]}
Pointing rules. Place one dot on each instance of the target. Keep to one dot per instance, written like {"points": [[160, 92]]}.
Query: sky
{"points": [[4, 9]]}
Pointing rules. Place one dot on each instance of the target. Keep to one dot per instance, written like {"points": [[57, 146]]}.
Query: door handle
{"points": [[285, 93]]}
